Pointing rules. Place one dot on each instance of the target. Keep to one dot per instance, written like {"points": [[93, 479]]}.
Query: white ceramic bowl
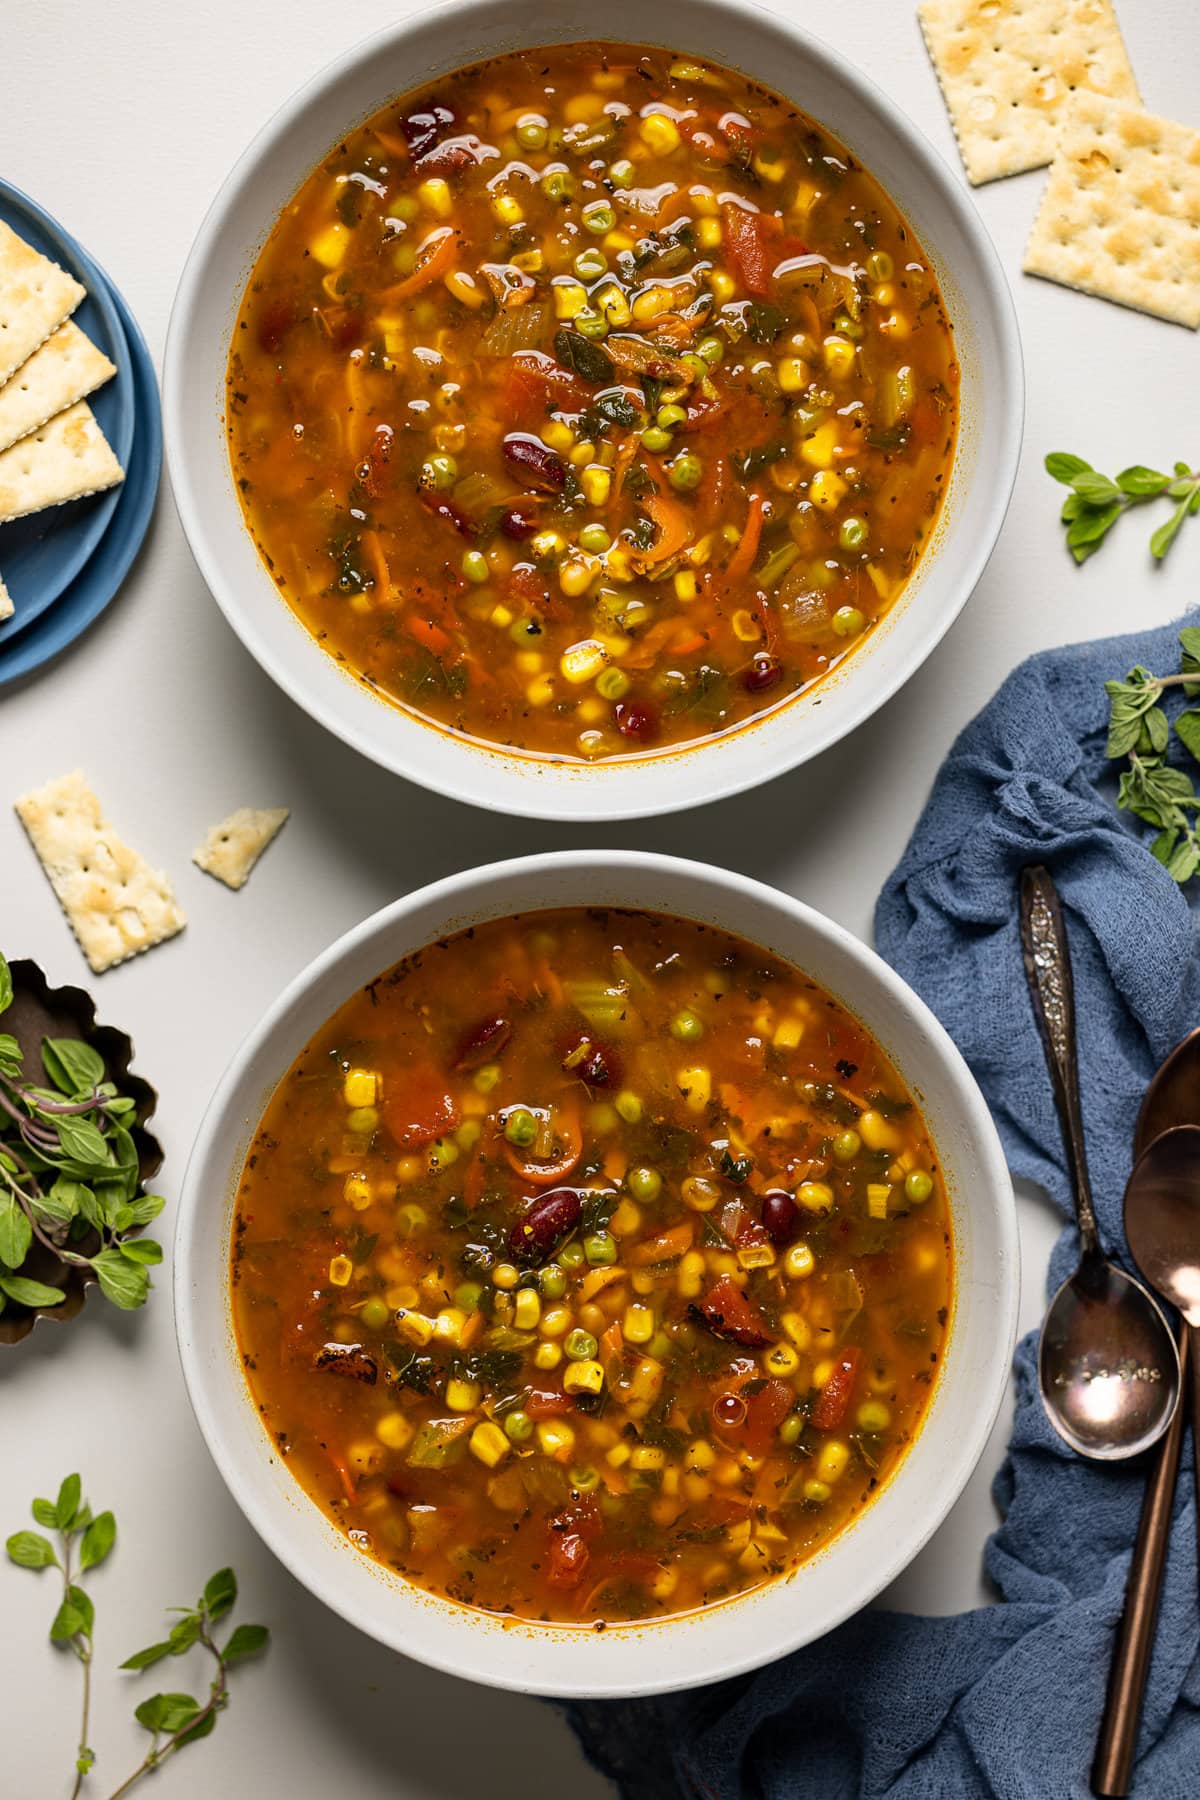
{"points": [[769, 49], [738, 1634]]}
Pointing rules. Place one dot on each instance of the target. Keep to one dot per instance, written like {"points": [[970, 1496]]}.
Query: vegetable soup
{"points": [[590, 401], [591, 1266]]}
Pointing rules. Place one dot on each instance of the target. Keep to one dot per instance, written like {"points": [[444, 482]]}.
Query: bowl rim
{"points": [[453, 895], [598, 801]]}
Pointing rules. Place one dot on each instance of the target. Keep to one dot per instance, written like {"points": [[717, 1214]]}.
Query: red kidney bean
{"points": [[423, 129], [780, 1216], [600, 1067], [517, 522], [762, 674], [546, 1223], [539, 465], [635, 720], [449, 158], [485, 1041]]}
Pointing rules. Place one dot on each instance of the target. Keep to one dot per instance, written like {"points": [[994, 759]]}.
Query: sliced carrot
{"points": [[470, 1330], [687, 645], [742, 560], [344, 1475], [435, 260], [674, 524], [664, 1248], [427, 633], [545, 1173]]}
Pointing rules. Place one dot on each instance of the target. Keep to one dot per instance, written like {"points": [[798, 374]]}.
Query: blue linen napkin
{"points": [[1004, 1701]]}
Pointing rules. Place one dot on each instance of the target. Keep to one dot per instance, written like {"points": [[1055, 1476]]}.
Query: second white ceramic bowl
{"points": [[696, 1647], [770, 50]]}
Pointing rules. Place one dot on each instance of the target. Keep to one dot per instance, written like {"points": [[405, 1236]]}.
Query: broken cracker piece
{"points": [[65, 368], [232, 848], [68, 458], [35, 297], [1121, 213], [1009, 69], [115, 903], [6, 605]]}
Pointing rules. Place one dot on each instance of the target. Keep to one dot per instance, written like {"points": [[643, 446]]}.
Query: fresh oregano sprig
{"points": [[1152, 788], [173, 1720], [1095, 503], [69, 1166]]}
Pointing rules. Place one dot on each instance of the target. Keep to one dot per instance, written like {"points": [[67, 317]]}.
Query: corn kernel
{"points": [[769, 168], [330, 246], [547, 1356], [878, 1195], [547, 543], [464, 287], [685, 585], [638, 1324], [695, 1084], [815, 1196], [797, 1328], [831, 1463], [646, 1381], [700, 1455], [618, 1456], [792, 374], [501, 616], [583, 661], [340, 1270], [737, 1536], [357, 1192], [780, 1360], [838, 353], [822, 1371], [570, 298], [508, 210], [818, 447], [583, 1378], [414, 1326], [596, 482], [659, 134], [393, 1430], [530, 262], [696, 1489], [663, 1583], [826, 489], [690, 1275], [575, 577], [556, 1321], [626, 1220], [529, 662], [648, 1457], [816, 1492], [364, 1459], [708, 233], [527, 1309], [582, 454], [489, 1443], [799, 1262], [616, 241], [555, 1438], [540, 692], [876, 1133], [360, 1088], [756, 1256], [468, 1134], [462, 1396], [435, 196], [896, 325], [721, 285]]}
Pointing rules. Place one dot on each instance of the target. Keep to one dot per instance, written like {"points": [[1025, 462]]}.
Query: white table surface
{"points": [[122, 119]]}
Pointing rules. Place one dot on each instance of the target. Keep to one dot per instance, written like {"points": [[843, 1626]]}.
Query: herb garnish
{"points": [[1151, 787], [1095, 503], [69, 1167], [84, 1540]]}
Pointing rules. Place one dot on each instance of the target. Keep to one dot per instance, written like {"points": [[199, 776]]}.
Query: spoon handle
{"points": [[1052, 992], [1112, 1767]]}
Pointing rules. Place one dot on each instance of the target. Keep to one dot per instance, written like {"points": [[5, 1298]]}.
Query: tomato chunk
{"points": [[746, 243], [765, 1412], [418, 1109], [728, 1314], [569, 1557], [834, 1397]]}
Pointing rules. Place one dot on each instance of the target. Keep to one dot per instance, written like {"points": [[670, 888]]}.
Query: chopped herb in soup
{"points": [[591, 1266], [590, 401]]}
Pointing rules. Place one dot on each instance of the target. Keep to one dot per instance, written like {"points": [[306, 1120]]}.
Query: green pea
{"points": [[580, 1346], [557, 184], [667, 416], [655, 438], [918, 1185], [584, 1480], [475, 566], [362, 1120], [612, 684], [595, 538], [846, 1146], [521, 1128], [627, 1103], [532, 132], [644, 1184], [518, 1426], [790, 1430], [591, 263], [711, 349], [439, 471], [687, 1027], [880, 266], [599, 217], [467, 1295], [600, 1248], [848, 622], [686, 472], [621, 173], [660, 1346], [591, 323], [552, 1280], [571, 1256], [852, 534], [375, 1313]]}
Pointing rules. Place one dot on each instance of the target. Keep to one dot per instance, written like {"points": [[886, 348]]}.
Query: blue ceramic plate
{"points": [[95, 585], [41, 555]]}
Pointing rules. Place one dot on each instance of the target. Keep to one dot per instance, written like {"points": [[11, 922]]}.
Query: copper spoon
{"points": [[1173, 1098], [1108, 1364]]}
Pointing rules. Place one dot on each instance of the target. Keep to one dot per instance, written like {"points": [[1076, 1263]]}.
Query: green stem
{"points": [[81, 1643], [155, 1758]]}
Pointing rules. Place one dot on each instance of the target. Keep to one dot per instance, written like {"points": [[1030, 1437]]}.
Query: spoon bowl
{"points": [[1162, 1218], [1107, 1364]]}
